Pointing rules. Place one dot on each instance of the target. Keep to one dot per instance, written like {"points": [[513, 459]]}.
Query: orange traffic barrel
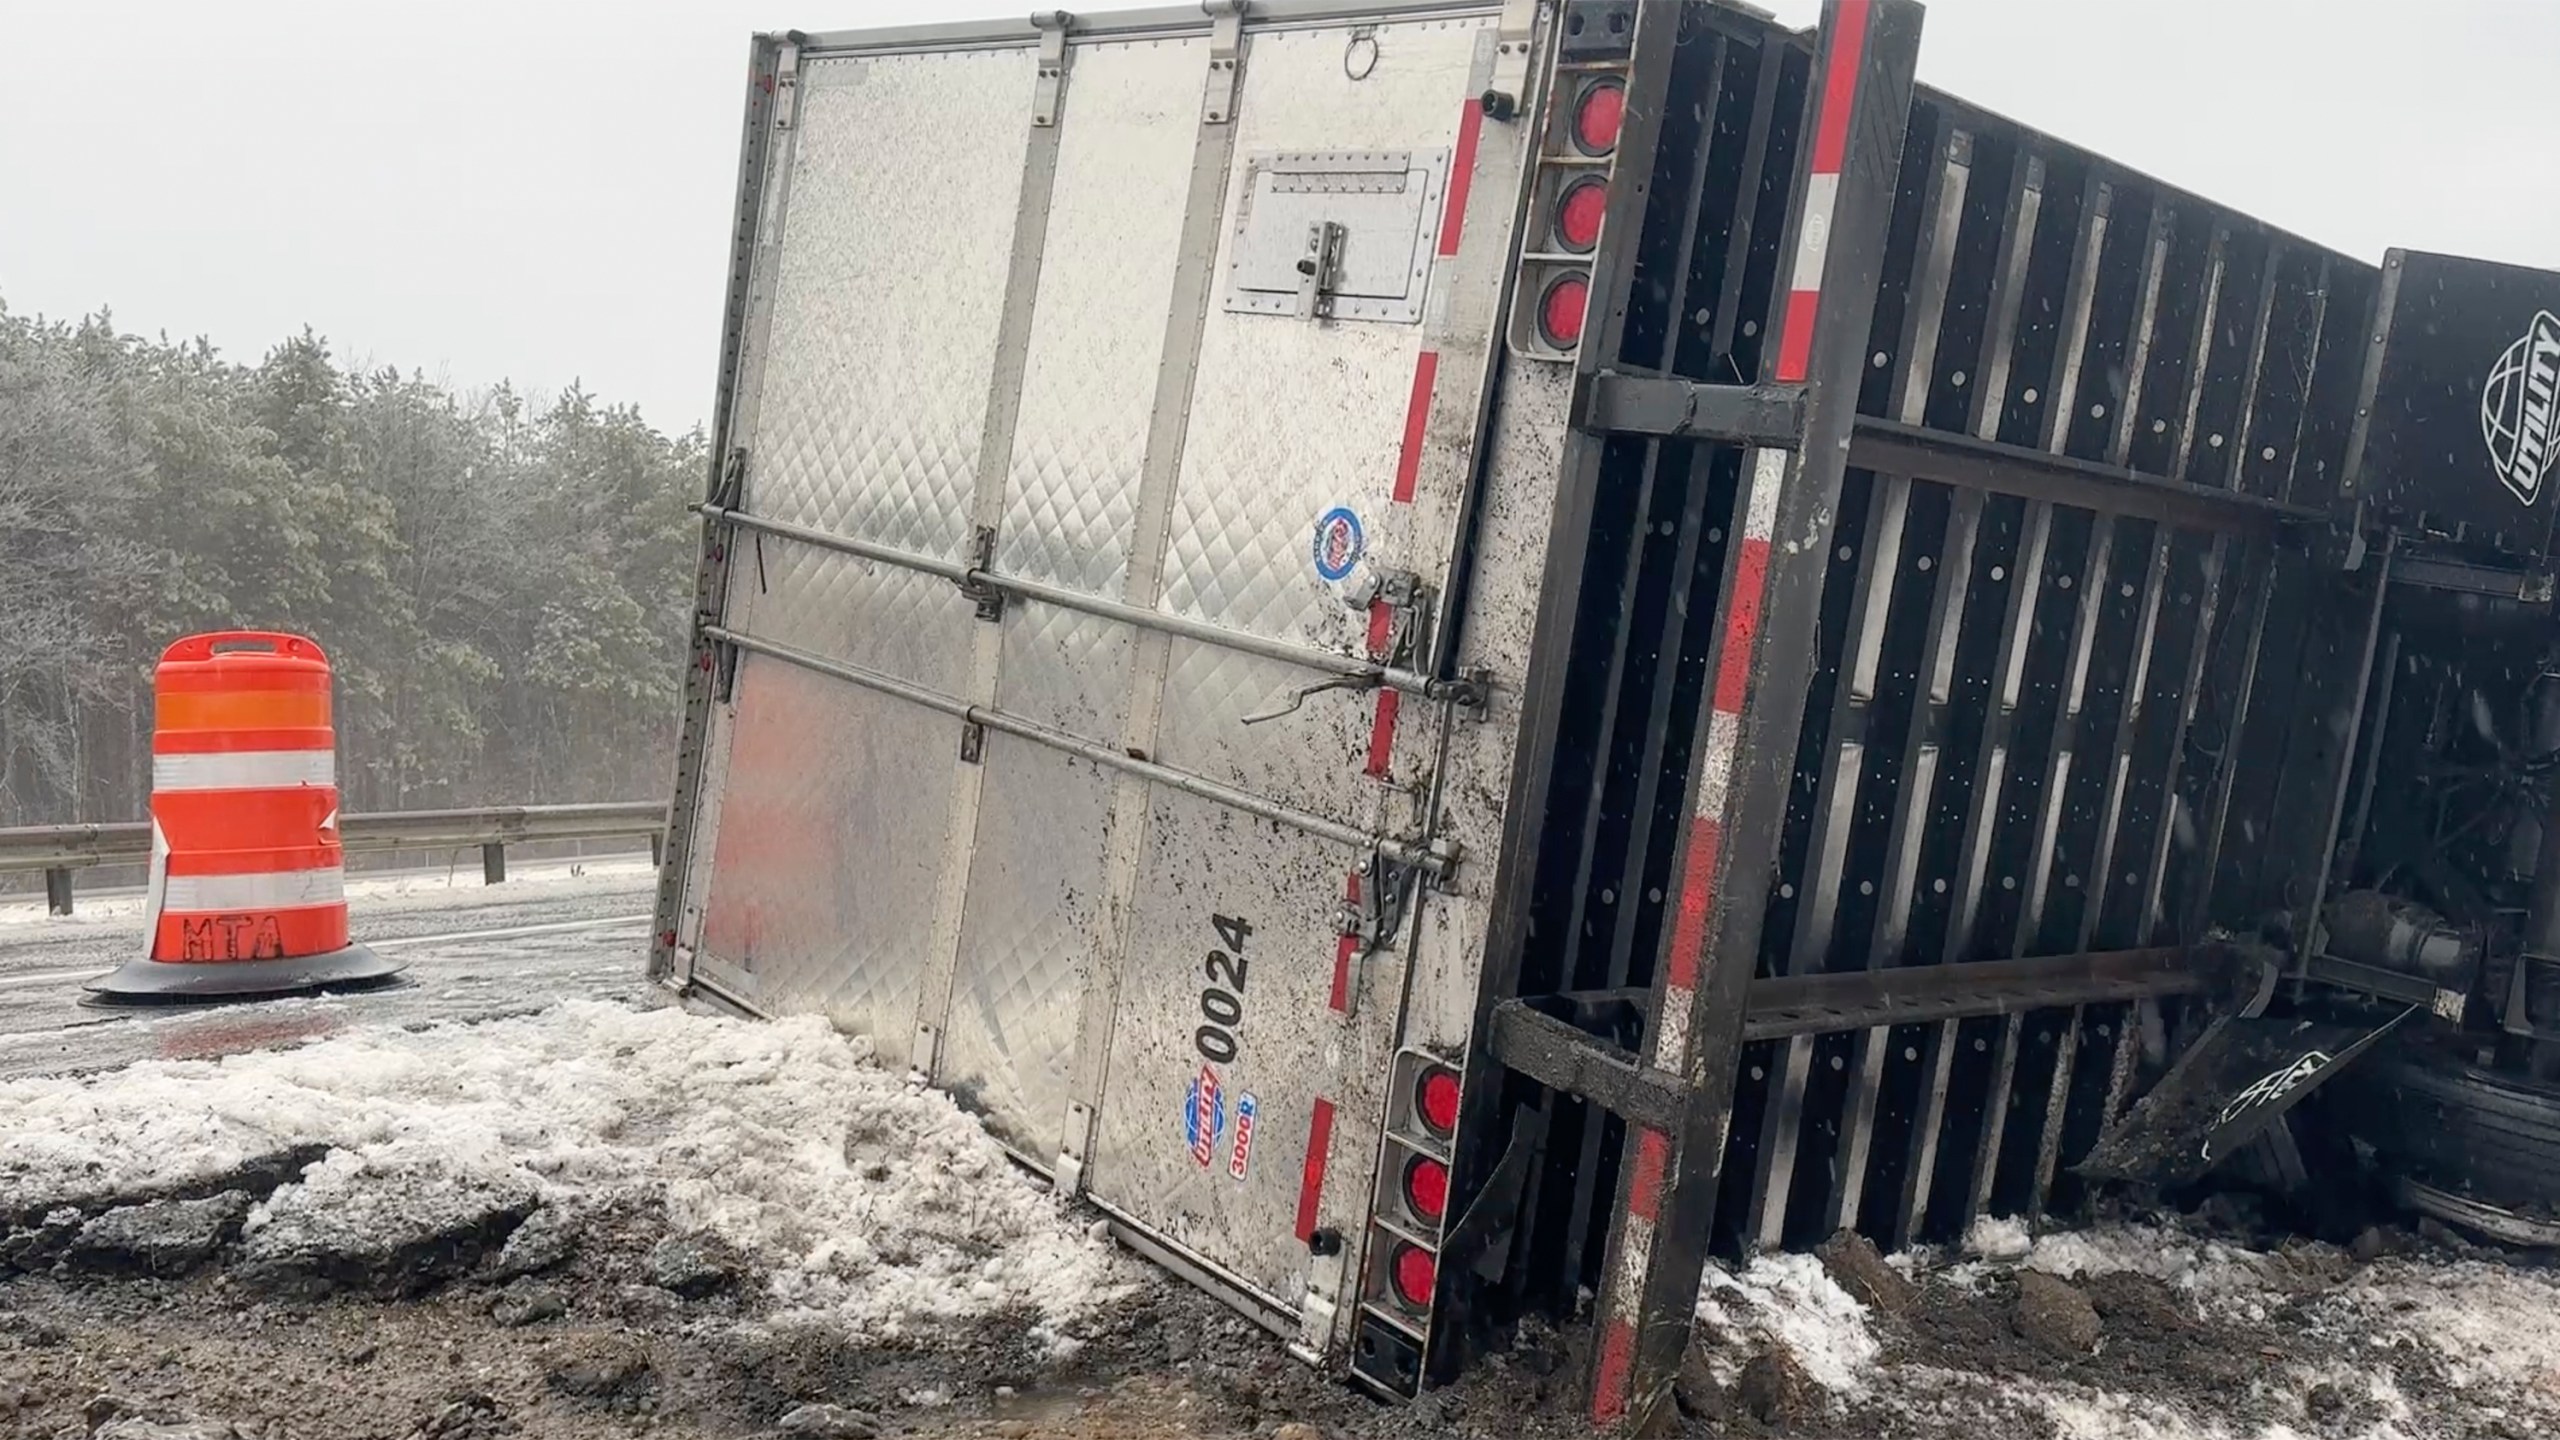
{"points": [[248, 891]]}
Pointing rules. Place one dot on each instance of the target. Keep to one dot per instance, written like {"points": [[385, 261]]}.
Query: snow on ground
{"points": [[1791, 1300], [869, 1203], [2491, 1331]]}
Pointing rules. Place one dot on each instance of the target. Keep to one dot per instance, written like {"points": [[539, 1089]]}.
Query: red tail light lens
{"points": [[1413, 1272], [1560, 310], [1578, 212], [1435, 1099], [1598, 112], [1426, 1187]]}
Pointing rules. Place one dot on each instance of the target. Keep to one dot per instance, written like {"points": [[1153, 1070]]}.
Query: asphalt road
{"points": [[547, 933]]}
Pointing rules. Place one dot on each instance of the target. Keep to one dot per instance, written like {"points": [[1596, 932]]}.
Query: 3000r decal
{"points": [[1222, 999]]}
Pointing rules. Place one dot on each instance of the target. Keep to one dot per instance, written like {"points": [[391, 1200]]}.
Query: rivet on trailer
{"points": [[1449, 654]]}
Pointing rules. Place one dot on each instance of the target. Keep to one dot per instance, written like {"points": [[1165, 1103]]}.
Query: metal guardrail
{"points": [[57, 850]]}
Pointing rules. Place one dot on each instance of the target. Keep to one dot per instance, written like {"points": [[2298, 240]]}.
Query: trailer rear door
{"points": [[1089, 395]]}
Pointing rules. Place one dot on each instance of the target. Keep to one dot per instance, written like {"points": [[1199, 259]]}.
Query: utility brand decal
{"points": [[2266, 1090], [1204, 1117], [2518, 407], [1338, 543], [1240, 1157]]}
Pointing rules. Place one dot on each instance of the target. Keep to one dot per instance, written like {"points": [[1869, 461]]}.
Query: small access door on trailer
{"points": [[1099, 405]]}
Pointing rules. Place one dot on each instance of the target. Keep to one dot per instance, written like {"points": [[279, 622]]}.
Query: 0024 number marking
{"points": [[1222, 999]]}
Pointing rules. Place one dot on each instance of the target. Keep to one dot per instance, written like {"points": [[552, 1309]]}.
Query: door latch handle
{"points": [[1298, 698]]}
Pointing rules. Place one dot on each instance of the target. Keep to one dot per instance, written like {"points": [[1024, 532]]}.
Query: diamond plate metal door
{"points": [[1032, 926], [1223, 1054], [888, 290]]}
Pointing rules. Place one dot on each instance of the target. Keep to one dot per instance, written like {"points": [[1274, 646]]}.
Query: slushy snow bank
{"points": [[2493, 1329], [869, 1203], [1791, 1300]]}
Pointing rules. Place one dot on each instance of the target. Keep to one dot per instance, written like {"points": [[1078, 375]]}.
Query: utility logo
{"points": [[1204, 1117], [1240, 1159], [2518, 408], [1338, 543], [2267, 1089]]}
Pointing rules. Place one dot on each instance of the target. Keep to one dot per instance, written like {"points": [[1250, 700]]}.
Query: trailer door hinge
{"points": [[724, 673], [1408, 599], [730, 485], [1226, 46], [1052, 25], [1385, 889], [786, 85]]}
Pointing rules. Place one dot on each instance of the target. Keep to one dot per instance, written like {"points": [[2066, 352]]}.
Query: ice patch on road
{"points": [[1791, 1300], [602, 871], [867, 1201]]}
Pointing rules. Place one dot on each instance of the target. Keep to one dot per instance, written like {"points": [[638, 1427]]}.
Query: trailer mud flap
{"points": [[2233, 1083]]}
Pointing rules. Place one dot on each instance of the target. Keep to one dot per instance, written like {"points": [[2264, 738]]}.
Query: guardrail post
{"points": [[493, 862], [57, 890]]}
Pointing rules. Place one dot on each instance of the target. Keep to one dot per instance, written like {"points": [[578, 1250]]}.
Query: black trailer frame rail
{"points": [[1892, 682]]}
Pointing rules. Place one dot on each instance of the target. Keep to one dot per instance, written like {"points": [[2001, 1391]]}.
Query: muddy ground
{"points": [[147, 1319], [622, 1330]]}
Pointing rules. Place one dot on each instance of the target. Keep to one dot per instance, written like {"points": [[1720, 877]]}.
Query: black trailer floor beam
{"points": [[1896, 449]]}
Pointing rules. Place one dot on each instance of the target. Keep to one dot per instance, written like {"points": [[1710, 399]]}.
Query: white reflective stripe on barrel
{"points": [[245, 770], [272, 890]]}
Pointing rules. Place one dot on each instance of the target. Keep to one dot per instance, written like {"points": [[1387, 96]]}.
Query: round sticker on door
{"points": [[1338, 543]]}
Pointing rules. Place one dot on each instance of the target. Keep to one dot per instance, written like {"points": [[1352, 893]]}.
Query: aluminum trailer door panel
{"points": [[1294, 449], [1069, 668]]}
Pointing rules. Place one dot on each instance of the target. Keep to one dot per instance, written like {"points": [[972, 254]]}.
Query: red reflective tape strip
{"points": [[1697, 902], [1462, 174], [1653, 1161], [1795, 337], [1343, 950], [1311, 1180], [1417, 419], [1382, 723], [1742, 624], [1840, 86], [1382, 732], [1830, 153], [1614, 1373]]}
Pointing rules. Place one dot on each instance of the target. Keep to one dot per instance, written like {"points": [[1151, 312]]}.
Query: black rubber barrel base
{"points": [[160, 982]]}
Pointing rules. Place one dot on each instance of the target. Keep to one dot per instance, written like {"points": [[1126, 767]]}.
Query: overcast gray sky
{"points": [[539, 189]]}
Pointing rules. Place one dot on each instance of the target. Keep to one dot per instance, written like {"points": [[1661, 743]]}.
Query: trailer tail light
{"points": [[1577, 214], [1413, 1272], [1426, 1188], [1561, 307], [1599, 110], [1435, 1100]]}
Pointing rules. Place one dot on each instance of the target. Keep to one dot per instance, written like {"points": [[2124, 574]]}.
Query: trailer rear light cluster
{"points": [[1408, 1222], [1577, 156]]}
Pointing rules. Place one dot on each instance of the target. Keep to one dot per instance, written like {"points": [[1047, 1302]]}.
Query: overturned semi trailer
{"points": [[1447, 653]]}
